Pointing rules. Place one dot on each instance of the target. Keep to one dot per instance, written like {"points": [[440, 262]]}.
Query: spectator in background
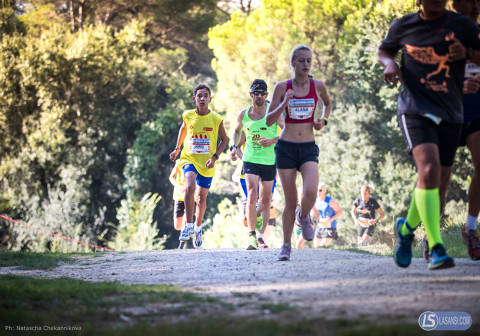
{"points": [[364, 215]]}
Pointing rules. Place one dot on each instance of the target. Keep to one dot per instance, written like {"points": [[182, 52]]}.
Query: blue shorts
{"points": [[244, 186], [202, 181]]}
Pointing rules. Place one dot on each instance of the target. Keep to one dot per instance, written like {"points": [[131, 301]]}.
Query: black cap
{"points": [[258, 85]]}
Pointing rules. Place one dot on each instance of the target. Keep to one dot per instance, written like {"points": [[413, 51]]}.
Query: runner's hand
{"points": [[392, 73], [240, 153], [173, 155], [457, 51], [471, 85], [233, 155], [288, 96], [319, 124], [210, 163], [264, 142]]}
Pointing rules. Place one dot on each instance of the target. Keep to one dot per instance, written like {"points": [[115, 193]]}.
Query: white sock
{"points": [[471, 222], [189, 225], [259, 235], [198, 228]]}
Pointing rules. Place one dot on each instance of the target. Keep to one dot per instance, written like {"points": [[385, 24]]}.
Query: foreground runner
{"points": [[296, 148], [470, 137], [201, 129], [430, 111], [258, 159]]}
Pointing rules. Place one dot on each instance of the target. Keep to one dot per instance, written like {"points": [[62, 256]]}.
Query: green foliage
{"points": [[228, 231], [70, 107], [137, 230], [9, 23]]}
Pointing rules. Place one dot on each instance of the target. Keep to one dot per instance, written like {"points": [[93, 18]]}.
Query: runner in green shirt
{"points": [[258, 158]]}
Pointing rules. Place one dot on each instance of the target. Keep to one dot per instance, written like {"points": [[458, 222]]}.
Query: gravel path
{"points": [[317, 282]]}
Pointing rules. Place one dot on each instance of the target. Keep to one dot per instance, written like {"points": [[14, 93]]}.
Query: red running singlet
{"points": [[301, 109]]}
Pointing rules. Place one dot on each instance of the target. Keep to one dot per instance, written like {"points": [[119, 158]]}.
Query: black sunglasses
{"points": [[258, 93]]}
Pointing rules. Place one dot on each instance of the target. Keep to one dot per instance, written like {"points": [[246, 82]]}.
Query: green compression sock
{"points": [[428, 206], [413, 217]]}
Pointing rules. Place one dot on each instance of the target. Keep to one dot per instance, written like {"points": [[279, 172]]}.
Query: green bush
{"points": [[136, 230]]}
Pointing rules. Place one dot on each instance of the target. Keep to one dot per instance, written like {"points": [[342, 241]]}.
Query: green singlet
{"points": [[254, 131]]}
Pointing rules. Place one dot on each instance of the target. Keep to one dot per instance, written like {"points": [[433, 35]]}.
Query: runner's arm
{"points": [[182, 132], [353, 214], [392, 71], [327, 105], [279, 102], [223, 143], [338, 211], [382, 215], [237, 136]]}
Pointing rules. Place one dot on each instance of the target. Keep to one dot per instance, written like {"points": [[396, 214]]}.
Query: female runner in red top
{"points": [[296, 148]]}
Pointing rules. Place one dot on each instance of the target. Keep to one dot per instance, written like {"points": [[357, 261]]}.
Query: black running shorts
{"points": [[369, 229], [291, 155], [418, 130], [468, 129], [266, 172], [326, 233]]}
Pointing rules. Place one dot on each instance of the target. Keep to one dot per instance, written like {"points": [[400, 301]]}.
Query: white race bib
{"points": [[301, 109], [472, 70], [199, 146]]}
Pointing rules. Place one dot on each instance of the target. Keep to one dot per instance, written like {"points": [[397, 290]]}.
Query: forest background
{"points": [[91, 96]]}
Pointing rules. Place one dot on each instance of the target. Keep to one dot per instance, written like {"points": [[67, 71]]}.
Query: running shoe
{"points": [[187, 233], [261, 243], [426, 252], [197, 238], [439, 258], [402, 252], [285, 252], [253, 243], [470, 238], [306, 224]]}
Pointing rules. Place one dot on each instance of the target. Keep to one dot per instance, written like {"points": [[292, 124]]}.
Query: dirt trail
{"points": [[317, 283]]}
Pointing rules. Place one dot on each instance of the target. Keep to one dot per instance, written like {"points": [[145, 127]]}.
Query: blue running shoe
{"points": [[197, 238], [284, 252], [439, 258], [402, 252], [186, 234]]}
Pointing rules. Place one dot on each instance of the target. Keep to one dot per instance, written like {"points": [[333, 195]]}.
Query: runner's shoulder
{"points": [[281, 84], [188, 113]]}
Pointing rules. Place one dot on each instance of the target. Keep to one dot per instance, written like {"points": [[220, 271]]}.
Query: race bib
{"points": [[323, 223], [472, 70], [199, 146], [301, 109]]}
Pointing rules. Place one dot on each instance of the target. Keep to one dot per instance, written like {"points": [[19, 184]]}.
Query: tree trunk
{"points": [[72, 15], [80, 14]]}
